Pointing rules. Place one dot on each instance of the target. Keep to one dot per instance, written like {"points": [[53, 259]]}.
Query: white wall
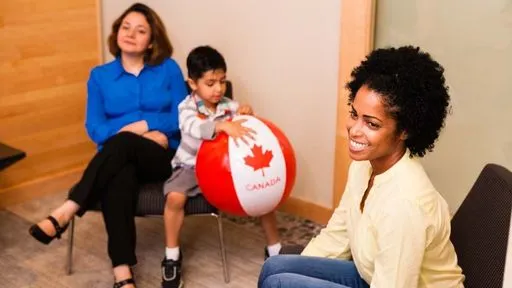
{"points": [[473, 41], [282, 57]]}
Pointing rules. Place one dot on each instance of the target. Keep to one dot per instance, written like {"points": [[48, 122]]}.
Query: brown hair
{"points": [[161, 47]]}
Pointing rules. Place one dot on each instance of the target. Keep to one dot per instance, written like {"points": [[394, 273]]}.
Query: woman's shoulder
{"points": [[411, 175], [413, 185], [112, 67], [170, 63], [168, 67]]}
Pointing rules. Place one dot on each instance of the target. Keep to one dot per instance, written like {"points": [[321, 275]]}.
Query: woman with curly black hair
{"points": [[392, 228]]}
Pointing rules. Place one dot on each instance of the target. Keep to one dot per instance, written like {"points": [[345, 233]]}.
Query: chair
{"points": [[151, 202], [480, 228]]}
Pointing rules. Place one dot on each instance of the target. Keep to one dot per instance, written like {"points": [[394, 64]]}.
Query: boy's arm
{"points": [[240, 109], [191, 124]]}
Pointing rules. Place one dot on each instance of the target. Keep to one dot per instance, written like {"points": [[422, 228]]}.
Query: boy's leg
{"points": [[182, 180], [269, 224], [173, 219]]}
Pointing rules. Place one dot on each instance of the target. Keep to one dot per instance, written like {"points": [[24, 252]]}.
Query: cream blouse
{"points": [[402, 239]]}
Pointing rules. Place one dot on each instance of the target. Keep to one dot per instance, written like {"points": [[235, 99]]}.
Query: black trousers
{"points": [[113, 177]]}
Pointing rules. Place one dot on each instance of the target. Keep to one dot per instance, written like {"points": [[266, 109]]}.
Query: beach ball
{"points": [[247, 179]]}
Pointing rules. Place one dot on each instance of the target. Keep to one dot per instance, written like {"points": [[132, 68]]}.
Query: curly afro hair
{"points": [[412, 86]]}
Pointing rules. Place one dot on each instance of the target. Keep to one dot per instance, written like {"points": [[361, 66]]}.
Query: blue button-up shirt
{"points": [[116, 98]]}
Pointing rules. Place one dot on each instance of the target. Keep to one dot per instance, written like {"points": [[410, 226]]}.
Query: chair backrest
{"points": [[480, 228], [229, 89]]}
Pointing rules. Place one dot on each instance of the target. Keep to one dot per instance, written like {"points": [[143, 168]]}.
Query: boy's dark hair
{"points": [[203, 59], [413, 89], [161, 46]]}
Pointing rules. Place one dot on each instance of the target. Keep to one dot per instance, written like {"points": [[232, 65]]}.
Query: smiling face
{"points": [[134, 34], [372, 132]]}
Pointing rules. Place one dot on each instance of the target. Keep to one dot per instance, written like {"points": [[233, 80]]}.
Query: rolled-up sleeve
{"points": [[333, 240]]}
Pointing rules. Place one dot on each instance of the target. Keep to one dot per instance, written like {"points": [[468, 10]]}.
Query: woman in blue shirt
{"points": [[132, 116]]}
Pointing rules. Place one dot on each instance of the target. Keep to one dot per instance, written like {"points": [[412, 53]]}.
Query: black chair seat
{"points": [[151, 202], [292, 249]]}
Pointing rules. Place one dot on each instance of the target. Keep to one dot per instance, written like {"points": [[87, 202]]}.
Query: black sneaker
{"points": [[171, 273]]}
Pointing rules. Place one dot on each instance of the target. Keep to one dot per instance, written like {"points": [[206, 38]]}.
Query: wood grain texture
{"points": [[307, 210], [357, 34], [48, 49]]}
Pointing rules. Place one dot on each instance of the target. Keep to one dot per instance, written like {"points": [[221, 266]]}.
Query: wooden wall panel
{"points": [[47, 51], [357, 33]]}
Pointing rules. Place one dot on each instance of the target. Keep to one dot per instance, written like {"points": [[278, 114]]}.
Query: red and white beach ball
{"points": [[249, 179]]}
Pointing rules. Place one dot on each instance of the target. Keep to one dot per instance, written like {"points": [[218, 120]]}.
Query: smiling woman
{"points": [[392, 228], [372, 132]]}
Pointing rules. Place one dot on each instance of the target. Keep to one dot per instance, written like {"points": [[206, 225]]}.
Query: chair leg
{"points": [[222, 248], [69, 260]]}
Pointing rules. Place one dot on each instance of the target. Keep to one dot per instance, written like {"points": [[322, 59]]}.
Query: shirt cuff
{"points": [[207, 130], [152, 121]]}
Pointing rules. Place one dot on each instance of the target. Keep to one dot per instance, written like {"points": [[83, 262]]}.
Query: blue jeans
{"points": [[283, 271]]}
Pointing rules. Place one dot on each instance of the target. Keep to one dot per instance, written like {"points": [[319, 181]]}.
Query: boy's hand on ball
{"points": [[245, 110], [235, 130]]}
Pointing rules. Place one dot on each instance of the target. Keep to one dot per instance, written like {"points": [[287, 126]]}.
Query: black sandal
{"points": [[44, 238], [124, 282]]}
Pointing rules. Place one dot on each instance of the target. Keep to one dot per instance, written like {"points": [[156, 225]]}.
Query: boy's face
{"points": [[211, 87]]}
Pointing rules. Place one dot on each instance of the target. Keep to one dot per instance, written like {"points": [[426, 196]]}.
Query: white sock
{"points": [[172, 253], [274, 249]]}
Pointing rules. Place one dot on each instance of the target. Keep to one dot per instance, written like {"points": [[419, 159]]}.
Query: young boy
{"points": [[201, 117]]}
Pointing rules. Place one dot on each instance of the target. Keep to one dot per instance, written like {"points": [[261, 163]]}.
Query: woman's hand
{"points": [[157, 137], [235, 130], [245, 110], [139, 127]]}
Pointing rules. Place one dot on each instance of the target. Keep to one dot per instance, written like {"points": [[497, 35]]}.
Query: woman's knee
{"points": [[276, 265], [282, 280], [123, 187], [120, 140], [175, 201]]}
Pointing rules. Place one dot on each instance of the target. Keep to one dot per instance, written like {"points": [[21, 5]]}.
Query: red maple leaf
{"points": [[259, 160]]}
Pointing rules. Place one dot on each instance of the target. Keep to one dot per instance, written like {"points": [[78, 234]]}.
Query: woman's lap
{"points": [[336, 271], [151, 161], [289, 280]]}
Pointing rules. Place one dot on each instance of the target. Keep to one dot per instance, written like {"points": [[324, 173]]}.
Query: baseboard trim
{"points": [[42, 186], [64, 180], [308, 210]]}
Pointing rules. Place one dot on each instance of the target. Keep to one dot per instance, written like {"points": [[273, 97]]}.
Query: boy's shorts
{"points": [[183, 180]]}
